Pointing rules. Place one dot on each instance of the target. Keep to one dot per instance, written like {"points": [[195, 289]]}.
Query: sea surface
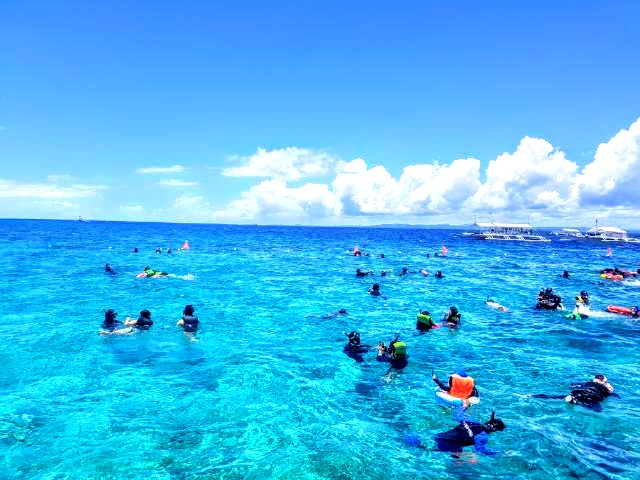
{"points": [[265, 391]]}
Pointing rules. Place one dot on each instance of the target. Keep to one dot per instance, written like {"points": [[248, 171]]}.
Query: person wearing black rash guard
{"points": [[109, 269], [189, 321], [143, 322], [110, 323], [468, 432], [588, 394], [354, 349]]}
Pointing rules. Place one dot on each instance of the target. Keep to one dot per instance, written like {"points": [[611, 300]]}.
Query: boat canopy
{"points": [[596, 230], [571, 230], [503, 225]]}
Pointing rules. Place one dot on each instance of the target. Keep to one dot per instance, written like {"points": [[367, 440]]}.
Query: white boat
{"points": [[608, 234], [514, 232], [570, 234]]}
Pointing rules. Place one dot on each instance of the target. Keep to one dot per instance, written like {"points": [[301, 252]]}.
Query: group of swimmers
{"points": [[112, 326]]}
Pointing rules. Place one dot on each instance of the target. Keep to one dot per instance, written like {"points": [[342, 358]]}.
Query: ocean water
{"points": [[266, 390]]}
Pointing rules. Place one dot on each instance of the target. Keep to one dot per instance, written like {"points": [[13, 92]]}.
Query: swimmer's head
{"points": [[110, 314], [145, 314], [494, 424], [600, 378], [188, 310], [342, 311]]}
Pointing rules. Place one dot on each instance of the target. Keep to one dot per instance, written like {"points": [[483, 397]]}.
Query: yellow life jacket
{"points": [[461, 387], [399, 349], [422, 318]]}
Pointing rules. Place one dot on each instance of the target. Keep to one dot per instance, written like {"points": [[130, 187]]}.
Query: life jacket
{"points": [[399, 349], [422, 318], [461, 387]]}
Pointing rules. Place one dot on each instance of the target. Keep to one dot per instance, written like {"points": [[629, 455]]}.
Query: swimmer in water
{"points": [[189, 321], [588, 394], [375, 290], [109, 269], [354, 348]]}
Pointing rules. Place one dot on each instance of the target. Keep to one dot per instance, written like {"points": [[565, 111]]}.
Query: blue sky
{"points": [[320, 113]]}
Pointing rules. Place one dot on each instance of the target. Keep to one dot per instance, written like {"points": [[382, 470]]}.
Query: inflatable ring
{"points": [[445, 400]]}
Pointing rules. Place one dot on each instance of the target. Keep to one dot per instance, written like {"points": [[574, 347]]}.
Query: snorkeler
{"points": [[395, 353], [460, 385], [109, 269], [354, 349], [452, 317], [342, 311], [588, 394], [375, 290], [189, 321], [110, 323], [468, 432], [439, 274], [143, 322], [360, 273], [424, 322]]}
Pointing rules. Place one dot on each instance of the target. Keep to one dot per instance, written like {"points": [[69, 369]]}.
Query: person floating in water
{"points": [[354, 348], [469, 432], [360, 273], [424, 321], [439, 274], [460, 385], [549, 300], [565, 274], [405, 271], [452, 318], [375, 290], [395, 353], [143, 322], [135, 250], [109, 269], [110, 322], [588, 394], [150, 272], [342, 311], [189, 321]]}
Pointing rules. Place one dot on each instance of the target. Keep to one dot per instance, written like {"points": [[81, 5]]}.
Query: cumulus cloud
{"points": [[49, 191], [421, 189], [154, 170], [176, 183], [614, 175], [291, 163], [274, 199], [535, 176]]}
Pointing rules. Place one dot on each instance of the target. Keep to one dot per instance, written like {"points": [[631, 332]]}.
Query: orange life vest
{"points": [[461, 387]]}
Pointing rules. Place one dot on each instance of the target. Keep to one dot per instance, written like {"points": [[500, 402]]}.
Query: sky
{"points": [[321, 113]]}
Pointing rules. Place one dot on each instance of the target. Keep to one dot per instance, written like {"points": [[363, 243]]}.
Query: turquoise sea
{"points": [[266, 391]]}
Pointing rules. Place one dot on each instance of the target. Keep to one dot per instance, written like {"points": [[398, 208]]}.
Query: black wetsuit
{"points": [[190, 323], [110, 326], [143, 323], [465, 434], [355, 350], [588, 394]]}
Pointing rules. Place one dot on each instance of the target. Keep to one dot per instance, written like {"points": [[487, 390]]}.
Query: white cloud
{"points": [[272, 199], [535, 176], [152, 170], [176, 183], [50, 191], [613, 178], [291, 163]]}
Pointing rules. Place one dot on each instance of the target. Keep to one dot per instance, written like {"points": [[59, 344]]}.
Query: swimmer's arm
{"points": [[480, 444], [460, 415], [180, 322]]}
